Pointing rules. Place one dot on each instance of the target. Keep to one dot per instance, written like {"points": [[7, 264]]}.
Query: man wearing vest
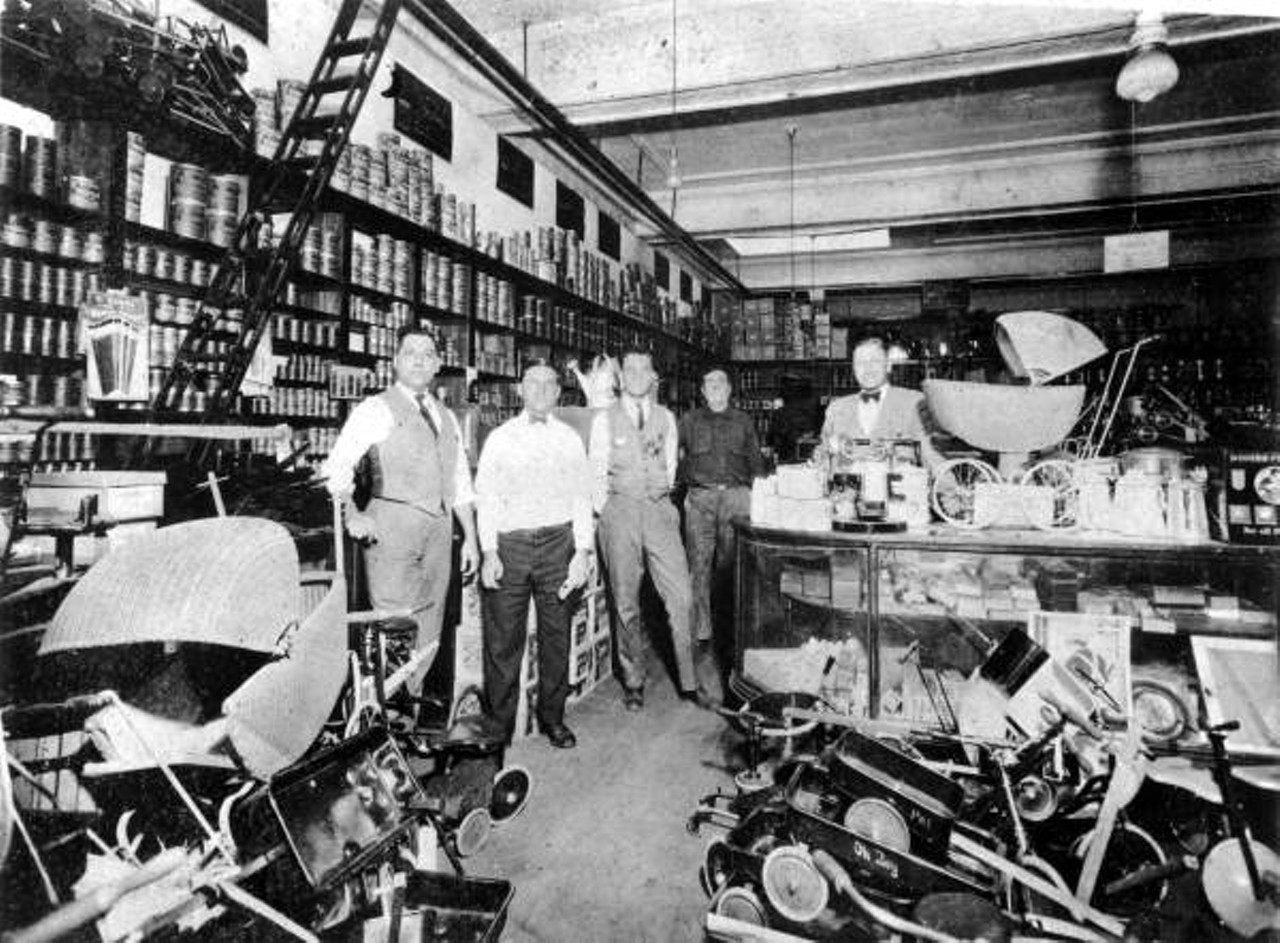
{"points": [[420, 484], [633, 452]]}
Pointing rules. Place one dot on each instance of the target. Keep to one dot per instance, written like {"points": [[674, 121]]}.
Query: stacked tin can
{"points": [[40, 167], [188, 200], [361, 164], [135, 164], [223, 214], [437, 280], [266, 133], [10, 156]]}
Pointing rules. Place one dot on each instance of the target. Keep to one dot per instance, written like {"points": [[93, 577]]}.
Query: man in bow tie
{"points": [[420, 485], [879, 410], [533, 511]]}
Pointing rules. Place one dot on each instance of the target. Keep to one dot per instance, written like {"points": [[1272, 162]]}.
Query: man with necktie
{"points": [[533, 512], [879, 410], [421, 483], [633, 453]]}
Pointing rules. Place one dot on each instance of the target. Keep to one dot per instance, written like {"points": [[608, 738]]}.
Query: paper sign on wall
{"points": [[115, 336], [1139, 250]]}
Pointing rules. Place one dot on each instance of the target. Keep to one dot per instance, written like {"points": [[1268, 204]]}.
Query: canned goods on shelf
{"points": [[84, 193]]}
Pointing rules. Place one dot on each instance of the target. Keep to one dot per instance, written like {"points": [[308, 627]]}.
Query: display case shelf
{"points": [[881, 600]]}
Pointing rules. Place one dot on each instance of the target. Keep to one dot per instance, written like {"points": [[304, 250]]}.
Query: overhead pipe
{"points": [[449, 26]]}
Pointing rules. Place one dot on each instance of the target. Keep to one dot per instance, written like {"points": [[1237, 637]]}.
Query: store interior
{"points": [[949, 665]]}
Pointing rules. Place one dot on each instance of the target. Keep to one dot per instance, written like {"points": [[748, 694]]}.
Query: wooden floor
{"points": [[601, 853]]}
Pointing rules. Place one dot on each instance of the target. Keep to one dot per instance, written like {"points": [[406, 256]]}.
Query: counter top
{"points": [[1007, 540]]}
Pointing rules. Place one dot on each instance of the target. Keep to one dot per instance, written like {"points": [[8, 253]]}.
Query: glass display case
{"points": [[892, 626]]}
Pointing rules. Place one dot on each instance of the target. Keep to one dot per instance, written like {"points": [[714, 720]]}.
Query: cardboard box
{"points": [[122, 495]]}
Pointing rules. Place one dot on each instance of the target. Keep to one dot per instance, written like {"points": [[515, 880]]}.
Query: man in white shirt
{"points": [[420, 484], [533, 511], [633, 455]]}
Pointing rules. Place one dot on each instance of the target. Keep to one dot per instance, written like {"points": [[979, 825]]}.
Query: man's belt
{"points": [[714, 487]]}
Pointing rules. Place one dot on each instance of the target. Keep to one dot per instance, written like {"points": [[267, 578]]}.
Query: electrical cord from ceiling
{"points": [[792, 130], [673, 158]]}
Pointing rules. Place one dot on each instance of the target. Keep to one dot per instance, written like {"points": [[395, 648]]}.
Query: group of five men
{"points": [[543, 500]]}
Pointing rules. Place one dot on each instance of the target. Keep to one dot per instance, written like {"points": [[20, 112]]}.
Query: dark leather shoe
{"points": [[560, 736], [633, 698]]}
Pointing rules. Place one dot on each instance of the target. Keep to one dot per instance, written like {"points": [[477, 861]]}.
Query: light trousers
{"points": [[635, 534]]}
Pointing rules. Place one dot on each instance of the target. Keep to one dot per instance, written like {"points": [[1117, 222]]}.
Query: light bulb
{"points": [[1149, 73], [673, 170]]}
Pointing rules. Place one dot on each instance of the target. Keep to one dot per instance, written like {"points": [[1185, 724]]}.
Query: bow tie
{"points": [[537, 419], [870, 396]]}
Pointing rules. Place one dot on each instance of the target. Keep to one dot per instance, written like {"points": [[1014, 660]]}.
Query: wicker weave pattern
{"points": [[1002, 418], [278, 713], [225, 581]]}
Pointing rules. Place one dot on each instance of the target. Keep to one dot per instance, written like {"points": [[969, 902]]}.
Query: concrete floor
{"points": [[600, 852]]}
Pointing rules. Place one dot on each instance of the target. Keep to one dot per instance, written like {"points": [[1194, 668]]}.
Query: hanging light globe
{"points": [[1151, 70]]}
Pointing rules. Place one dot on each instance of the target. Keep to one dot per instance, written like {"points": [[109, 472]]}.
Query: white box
{"points": [[122, 495]]}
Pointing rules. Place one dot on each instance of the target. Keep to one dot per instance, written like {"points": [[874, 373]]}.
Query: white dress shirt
{"points": [[533, 474], [601, 444], [369, 424], [869, 410]]}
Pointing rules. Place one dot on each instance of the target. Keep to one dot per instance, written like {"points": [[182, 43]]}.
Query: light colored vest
{"points": [[411, 466], [638, 460]]}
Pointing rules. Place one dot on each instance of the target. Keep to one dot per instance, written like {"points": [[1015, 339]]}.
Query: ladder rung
{"points": [[339, 83], [349, 47], [317, 126]]}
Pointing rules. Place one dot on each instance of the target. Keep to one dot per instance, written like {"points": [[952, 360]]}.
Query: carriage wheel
{"points": [[952, 491], [1058, 475]]}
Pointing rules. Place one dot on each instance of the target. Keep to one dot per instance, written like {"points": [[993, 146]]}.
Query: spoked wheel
{"points": [[952, 493], [1058, 477]]}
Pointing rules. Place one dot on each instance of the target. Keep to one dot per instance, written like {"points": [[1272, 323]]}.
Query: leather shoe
{"points": [[560, 736], [633, 698]]}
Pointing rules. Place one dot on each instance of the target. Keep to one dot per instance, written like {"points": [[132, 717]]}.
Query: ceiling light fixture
{"points": [[673, 158], [1150, 71]]}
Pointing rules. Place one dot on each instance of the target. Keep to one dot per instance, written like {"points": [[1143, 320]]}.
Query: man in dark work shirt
{"points": [[719, 458]]}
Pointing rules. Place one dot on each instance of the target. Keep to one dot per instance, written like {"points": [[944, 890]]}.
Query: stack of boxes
{"points": [[590, 655], [775, 329]]}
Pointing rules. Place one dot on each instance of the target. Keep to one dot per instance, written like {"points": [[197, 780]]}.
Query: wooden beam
{"points": [[868, 197], [998, 259]]}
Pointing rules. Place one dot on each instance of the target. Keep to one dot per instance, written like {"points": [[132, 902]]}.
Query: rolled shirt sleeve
{"points": [[673, 451], [598, 454], [370, 422]]}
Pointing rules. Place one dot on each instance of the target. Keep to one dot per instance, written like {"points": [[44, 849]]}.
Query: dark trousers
{"points": [[710, 543], [534, 565]]}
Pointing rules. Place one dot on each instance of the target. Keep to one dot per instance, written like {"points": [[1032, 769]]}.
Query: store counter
{"points": [[891, 626]]}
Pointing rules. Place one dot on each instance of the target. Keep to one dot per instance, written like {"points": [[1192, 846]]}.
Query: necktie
{"points": [[426, 414], [640, 416], [870, 396]]}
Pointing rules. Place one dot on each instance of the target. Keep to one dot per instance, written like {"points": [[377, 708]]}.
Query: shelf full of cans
{"points": [[372, 329], [446, 286], [382, 263], [401, 182], [30, 166], [54, 452]]}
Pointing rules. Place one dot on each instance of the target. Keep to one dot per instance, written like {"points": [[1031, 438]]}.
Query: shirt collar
{"points": [[412, 397], [529, 420]]}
